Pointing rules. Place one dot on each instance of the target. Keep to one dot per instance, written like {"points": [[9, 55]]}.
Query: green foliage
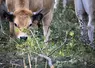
{"points": [[65, 47]]}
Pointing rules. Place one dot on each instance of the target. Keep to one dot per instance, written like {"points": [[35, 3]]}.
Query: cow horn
{"points": [[34, 13]]}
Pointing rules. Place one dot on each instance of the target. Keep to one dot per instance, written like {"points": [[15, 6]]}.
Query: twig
{"points": [[36, 41], [36, 62], [11, 64], [46, 64], [24, 63], [16, 64], [29, 60], [60, 46], [10, 37]]}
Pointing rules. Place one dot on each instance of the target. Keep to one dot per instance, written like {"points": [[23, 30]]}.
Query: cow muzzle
{"points": [[22, 36]]}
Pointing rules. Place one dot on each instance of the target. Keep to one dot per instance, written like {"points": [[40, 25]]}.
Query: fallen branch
{"points": [[48, 59]]}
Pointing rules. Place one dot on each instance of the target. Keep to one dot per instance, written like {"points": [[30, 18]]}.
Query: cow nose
{"points": [[23, 38]]}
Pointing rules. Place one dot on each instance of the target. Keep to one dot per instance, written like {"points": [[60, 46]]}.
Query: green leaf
{"points": [[71, 33]]}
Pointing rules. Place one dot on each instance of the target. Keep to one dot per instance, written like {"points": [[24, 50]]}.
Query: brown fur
{"points": [[23, 10], [1, 1], [23, 19], [23, 16], [22, 3]]}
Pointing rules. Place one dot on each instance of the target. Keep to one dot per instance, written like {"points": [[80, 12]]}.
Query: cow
{"points": [[23, 13], [85, 12]]}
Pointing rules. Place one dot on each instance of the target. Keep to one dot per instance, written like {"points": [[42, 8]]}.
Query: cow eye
{"points": [[15, 24], [30, 24]]}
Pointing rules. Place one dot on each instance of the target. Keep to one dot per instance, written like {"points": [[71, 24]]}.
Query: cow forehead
{"points": [[22, 17], [22, 20], [22, 11]]}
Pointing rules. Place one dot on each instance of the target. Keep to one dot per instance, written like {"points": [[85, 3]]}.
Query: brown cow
{"points": [[22, 14]]}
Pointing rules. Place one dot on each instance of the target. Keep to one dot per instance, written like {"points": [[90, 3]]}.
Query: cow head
{"points": [[23, 19]]}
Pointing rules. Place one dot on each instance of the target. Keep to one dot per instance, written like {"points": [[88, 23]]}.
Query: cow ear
{"points": [[38, 17], [9, 16]]}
